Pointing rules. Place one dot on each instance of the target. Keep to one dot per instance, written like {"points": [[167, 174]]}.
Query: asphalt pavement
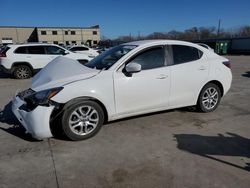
{"points": [[174, 148]]}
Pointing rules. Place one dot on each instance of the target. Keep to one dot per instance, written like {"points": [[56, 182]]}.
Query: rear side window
{"points": [[36, 50], [21, 50], [184, 54]]}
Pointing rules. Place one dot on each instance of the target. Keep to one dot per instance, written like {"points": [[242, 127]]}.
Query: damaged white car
{"points": [[129, 79]]}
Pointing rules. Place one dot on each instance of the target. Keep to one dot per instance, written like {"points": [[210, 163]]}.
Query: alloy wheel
{"points": [[83, 120]]}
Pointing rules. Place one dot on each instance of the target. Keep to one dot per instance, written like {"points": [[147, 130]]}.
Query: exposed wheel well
{"points": [[61, 107], [56, 115], [21, 63]]}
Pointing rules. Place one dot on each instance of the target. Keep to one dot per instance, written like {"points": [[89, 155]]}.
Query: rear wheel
{"points": [[22, 72], [82, 120], [209, 98]]}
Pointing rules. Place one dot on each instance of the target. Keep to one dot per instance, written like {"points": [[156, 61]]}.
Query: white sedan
{"points": [[84, 50], [129, 79]]}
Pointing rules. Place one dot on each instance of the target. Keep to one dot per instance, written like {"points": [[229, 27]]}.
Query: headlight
{"points": [[42, 97]]}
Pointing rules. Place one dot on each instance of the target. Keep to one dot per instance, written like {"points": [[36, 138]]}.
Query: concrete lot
{"points": [[177, 148]]}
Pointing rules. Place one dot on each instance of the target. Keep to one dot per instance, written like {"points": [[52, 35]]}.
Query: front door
{"points": [[37, 57], [146, 90]]}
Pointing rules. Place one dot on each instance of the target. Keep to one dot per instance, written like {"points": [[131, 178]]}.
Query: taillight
{"points": [[227, 64], [2, 54], [3, 51]]}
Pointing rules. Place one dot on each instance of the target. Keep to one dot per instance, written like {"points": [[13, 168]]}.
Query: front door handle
{"points": [[162, 76]]}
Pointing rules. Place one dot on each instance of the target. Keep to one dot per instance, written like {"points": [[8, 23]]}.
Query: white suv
{"points": [[22, 61]]}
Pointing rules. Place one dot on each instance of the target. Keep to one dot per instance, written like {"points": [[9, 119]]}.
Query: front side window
{"points": [[36, 50], [184, 54], [150, 59], [53, 50], [110, 57]]}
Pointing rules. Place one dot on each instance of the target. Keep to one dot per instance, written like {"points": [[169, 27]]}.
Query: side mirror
{"points": [[65, 53], [133, 68]]}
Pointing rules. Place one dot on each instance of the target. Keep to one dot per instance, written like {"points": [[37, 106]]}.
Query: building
{"points": [[56, 35]]}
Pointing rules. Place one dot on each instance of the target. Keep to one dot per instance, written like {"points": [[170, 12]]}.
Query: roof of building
{"points": [[92, 27]]}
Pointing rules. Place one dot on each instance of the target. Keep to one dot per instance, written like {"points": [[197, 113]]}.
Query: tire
{"points": [[22, 72], [82, 120], [209, 98]]}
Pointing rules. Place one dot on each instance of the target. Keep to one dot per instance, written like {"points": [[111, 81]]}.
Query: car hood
{"points": [[61, 71]]}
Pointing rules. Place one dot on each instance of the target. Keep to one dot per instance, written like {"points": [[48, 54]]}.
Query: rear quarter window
{"points": [[184, 54], [21, 50]]}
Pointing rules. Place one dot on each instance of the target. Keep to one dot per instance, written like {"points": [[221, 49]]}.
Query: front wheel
{"points": [[82, 120], [209, 98]]}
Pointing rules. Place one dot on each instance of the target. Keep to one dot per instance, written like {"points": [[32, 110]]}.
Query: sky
{"points": [[125, 17]]}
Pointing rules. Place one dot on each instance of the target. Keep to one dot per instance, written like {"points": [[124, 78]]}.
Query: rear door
{"points": [[37, 57], [189, 72]]}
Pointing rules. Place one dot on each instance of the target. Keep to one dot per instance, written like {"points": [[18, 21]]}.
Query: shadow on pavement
{"points": [[13, 126], [206, 146], [4, 75], [246, 74]]}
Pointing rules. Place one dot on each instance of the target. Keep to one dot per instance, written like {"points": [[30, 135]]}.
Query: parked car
{"points": [[206, 46], [22, 61], [84, 50], [127, 80]]}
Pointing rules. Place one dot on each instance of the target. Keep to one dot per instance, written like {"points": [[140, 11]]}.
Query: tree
{"points": [[244, 31]]}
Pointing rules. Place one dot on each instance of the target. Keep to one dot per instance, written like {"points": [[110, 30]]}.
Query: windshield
{"points": [[110, 57]]}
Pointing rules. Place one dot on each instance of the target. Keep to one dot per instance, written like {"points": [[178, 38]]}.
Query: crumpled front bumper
{"points": [[36, 122]]}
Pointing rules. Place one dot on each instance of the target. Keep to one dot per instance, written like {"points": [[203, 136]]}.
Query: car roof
{"points": [[159, 42], [32, 44]]}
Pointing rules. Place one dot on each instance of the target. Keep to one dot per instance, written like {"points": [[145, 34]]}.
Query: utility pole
{"points": [[218, 32], [139, 35]]}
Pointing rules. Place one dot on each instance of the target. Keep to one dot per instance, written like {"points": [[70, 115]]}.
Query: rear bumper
{"points": [[3, 69], [36, 122]]}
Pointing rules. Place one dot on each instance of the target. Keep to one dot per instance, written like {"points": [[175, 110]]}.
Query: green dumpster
{"points": [[221, 47]]}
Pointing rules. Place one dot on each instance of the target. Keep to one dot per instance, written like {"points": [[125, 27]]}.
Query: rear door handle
{"points": [[162, 76], [202, 68]]}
